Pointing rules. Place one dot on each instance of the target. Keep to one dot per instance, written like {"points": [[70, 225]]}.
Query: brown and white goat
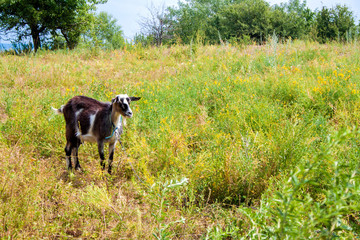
{"points": [[90, 120]]}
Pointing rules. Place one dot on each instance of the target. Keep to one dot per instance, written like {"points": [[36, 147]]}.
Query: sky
{"points": [[129, 13]]}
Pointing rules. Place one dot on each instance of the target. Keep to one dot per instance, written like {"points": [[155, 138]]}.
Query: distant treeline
{"points": [[53, 24], [244, 21]]}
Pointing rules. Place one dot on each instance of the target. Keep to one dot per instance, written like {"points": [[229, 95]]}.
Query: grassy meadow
{"points": [[227, 142]]}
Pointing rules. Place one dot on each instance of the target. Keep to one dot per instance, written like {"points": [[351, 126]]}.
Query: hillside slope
{"points": [[217, 132]]}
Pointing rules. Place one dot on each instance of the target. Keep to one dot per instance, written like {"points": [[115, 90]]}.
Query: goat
{"points": [[90, 120]]}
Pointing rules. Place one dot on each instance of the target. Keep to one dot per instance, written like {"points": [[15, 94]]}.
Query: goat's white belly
{"points": [[88, 138]]}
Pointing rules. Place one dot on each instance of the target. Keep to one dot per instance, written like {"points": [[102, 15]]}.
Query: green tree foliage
{"points": [[344, 20], [334, 23], [197, 19], [38, 19], [229, 20], [104, 32], [293, 19], [326, 26], [246, 18], [73, 19]]}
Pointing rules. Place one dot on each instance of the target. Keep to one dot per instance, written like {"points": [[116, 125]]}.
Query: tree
{"points": [[344, 20], [246, 18], [38, 19], [326, 27], [157, 25], [293, 19], [333, 23], [104, 32], [197, 19], [73, 18]]}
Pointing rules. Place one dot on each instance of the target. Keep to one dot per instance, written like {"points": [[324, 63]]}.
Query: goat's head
{"points": [[121, 104]]}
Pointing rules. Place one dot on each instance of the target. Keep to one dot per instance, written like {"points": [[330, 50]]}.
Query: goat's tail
{"points": [[58, 111]]}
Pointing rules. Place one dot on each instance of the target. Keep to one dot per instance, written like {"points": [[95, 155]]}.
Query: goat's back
{"points": [[80, 108], [82, 102]]}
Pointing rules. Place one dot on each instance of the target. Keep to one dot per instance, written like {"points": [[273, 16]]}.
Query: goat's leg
{"points": [[75, 152], [111, 155], [101, 153], [68, 150]]}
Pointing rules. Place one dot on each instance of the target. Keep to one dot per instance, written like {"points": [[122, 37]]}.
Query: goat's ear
{"points": [[115, 99], [135, 98]]}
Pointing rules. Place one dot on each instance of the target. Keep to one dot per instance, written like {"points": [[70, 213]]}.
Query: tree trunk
{"points": [[35, 34], [70, 43]]}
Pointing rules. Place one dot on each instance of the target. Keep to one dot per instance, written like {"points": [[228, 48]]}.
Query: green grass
{"points": [[216, 137]]}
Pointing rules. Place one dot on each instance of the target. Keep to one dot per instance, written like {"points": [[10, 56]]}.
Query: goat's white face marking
{"points": [[124, 103]]}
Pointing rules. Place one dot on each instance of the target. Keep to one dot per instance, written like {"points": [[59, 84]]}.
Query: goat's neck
{"points": [[115, 117]]}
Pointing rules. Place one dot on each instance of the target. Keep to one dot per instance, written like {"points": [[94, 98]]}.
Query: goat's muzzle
{"points": [[128, 114]]}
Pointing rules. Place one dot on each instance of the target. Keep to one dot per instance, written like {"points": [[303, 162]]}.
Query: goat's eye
{"points": [[128, 100]]}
